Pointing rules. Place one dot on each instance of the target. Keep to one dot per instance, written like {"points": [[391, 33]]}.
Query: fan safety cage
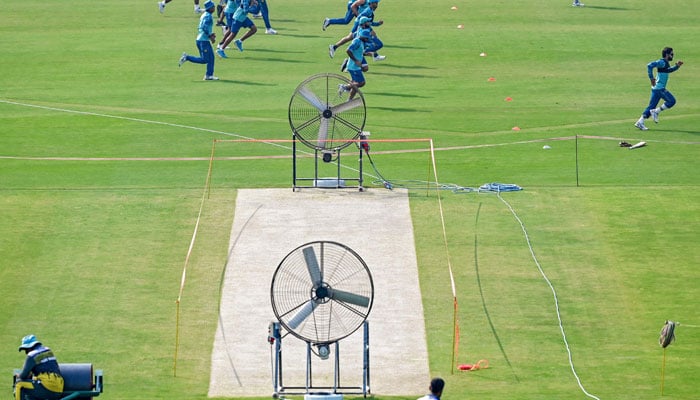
{"points": [[322, 118], [322, 292]]}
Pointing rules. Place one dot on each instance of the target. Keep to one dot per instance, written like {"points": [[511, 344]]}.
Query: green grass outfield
{"points": [[104, 148]]}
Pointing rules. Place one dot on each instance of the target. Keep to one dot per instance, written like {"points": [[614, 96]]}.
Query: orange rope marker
{"points": [[481, 364]]}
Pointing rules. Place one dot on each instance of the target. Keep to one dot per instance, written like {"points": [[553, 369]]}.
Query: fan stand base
{"points": [[310, 391], [337, 182]]}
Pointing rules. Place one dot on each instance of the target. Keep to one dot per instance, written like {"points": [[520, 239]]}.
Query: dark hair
{"points": [[666, 51], [436, 385]]}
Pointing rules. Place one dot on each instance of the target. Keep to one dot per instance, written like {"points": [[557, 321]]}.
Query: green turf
{"points": [[105, 146]]}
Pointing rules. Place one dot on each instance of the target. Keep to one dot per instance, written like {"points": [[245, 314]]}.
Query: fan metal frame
{"points": [[322, 292], [323, 120]]}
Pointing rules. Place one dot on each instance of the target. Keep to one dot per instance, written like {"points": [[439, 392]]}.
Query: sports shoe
{"points": [[326, 23], [220, 23], [341, 89], [197, 9], [655, 115], [344, 65], [221, 53], [210, 78], [377, 57], [577, 4], [331, 50], [239, 44], [640, 125], [161, 7], [270, 31], [183, 60], [258, 15]]}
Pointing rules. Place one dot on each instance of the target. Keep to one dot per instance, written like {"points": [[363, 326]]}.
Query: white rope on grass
{"points": [[554, 294]]}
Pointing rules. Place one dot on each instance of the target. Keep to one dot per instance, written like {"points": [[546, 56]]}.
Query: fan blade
{"points": [[347, 297], [309, 96], [322, 133], [312, 266], [348, 105], [302, 314]]}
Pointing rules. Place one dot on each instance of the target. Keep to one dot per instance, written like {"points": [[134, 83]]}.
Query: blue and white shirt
{"points": [[206, 25], [357, 47], [231, 6], [663, 68]]}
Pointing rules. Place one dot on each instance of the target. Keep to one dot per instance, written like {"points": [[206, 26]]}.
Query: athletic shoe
{"points": [[344, 66], [326, 23], [258, 15], [220, 23], [640, 125], [270, 31], [331, 50], [341, 89], [210, 78], [198, 10], [377, 57], [161, 7], [183, 60], [221, 53], [239, 44], [577, 4], [655, 115]]}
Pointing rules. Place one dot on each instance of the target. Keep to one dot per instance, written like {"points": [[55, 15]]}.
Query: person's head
{"points": [[209, 6], [667, 53], [436, 386], [364, 21], [28, 343], [373, 4]]}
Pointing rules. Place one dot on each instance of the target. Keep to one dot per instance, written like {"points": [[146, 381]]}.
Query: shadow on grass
{"points": [[402, 75], [399, 109], [401, 95], [676, 131], [401, 66], [609, 8], [394, 46], [248, 83], [277, 51], [284, 60], [483, 300]]}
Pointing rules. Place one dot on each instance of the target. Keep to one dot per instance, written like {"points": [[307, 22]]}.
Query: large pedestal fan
{"points": [[323, 118], [321, 293]]}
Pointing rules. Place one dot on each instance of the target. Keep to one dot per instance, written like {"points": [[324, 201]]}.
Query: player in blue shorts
{"points": [[354, 9], [205, 38], [235, 21], [357, 64], [367, 12], [658, 87]]}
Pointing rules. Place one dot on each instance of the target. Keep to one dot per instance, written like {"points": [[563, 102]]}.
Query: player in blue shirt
{"points": [[357, 64], [366, 12], [658, 87], [205, 38], [235, 21], [354, 9]]}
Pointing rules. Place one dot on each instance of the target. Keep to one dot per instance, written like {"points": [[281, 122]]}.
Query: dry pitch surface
{"points": [[270, 223]]}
